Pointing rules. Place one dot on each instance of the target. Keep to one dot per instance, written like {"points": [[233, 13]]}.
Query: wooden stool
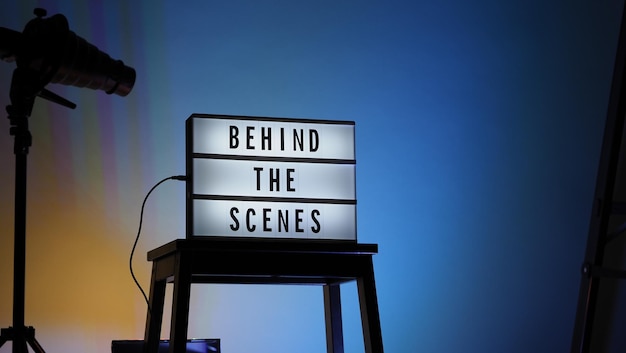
{"points": [[262, 261]]}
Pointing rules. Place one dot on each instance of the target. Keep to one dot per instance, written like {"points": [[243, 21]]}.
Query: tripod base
{"points": [[20, 337]]}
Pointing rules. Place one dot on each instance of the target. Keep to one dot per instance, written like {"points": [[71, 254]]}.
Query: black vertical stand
{"points": [[26, 85], [24, 88], [604, 209]]}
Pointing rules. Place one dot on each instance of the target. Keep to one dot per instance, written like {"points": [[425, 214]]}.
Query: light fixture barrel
{"points": [[51, 50]]}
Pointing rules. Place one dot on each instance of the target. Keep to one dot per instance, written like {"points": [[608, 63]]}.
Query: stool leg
{"points": [[332, 313], [180, 305], [369, 309], [154, 314]]}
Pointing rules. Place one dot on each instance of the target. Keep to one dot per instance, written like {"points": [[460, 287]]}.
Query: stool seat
{"points": [[262, 261]]}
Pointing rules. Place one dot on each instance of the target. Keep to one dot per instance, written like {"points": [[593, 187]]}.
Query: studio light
{"points": [[45, 52], [50, 50]]}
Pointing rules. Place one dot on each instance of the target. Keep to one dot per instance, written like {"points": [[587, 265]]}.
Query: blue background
{"points": [[478, 133]]}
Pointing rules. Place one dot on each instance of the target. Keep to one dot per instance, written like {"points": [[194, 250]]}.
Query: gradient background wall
{"points": [[478, 129]]}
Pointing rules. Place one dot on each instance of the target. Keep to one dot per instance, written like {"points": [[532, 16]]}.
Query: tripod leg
{"points": [[30, 339], [35, 345]]}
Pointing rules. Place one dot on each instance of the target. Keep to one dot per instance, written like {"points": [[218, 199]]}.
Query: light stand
{"points": [[47, 51], [24, 89]]}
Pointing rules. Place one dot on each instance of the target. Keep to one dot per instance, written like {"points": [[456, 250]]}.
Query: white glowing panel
{"points": [[270, 178], [273, 138], [274, 219], [274, 179]]}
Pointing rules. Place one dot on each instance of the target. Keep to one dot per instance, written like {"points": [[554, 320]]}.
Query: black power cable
{"points": [[132, 273]]}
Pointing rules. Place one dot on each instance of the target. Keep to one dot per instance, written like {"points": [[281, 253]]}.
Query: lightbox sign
{"points": [[270, 177]]}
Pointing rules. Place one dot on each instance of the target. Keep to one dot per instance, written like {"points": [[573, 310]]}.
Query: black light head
{"points": [[57, 55]]}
